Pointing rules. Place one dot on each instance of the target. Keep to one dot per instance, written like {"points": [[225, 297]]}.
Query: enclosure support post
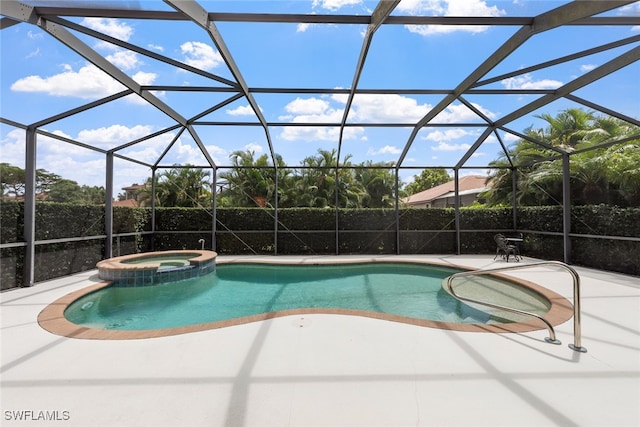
{"points": [[153, 208], [397, 215], [214, 205], [30, 207], [337, 198], [108, 208], [275, 214], [566, 208], [514, 198], [456, 204]]}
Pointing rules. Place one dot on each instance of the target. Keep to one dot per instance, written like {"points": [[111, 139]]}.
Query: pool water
{"points": [[166, 262], [238, 290]]}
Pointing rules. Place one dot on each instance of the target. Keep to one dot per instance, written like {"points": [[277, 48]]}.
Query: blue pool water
{"points": [[166, 261], [238, 290]]}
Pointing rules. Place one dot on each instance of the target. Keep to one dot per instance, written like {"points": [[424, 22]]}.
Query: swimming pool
{"points": [[239, 293]]}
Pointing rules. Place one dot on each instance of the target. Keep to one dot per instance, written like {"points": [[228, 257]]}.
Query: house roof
{"points": [[466, 184], [129, 203], [134, 187]]}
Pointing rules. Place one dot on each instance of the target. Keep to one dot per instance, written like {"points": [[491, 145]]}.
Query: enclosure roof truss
{"points": [[55, 20]]}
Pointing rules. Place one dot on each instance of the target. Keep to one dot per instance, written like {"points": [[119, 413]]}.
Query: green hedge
{"points": [[599, 220], [59, 221], [312, 231]]}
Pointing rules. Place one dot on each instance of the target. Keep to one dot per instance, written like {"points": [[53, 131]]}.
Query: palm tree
{"points": [[316, 183], [568, 128], [598, 175], [536, 180], [179, 186], [624, 170], [379, 184], [251, 181]]}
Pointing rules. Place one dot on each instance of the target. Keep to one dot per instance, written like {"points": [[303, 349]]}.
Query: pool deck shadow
{"points": [[306, 369]]}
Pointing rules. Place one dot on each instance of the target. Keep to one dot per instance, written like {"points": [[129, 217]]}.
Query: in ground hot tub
{"points": [[151, 268]]}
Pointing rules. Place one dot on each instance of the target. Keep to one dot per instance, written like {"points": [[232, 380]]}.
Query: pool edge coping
{"points": [[52, 318], [119, 263]]}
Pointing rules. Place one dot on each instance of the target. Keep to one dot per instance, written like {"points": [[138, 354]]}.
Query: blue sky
{"points": [[41, 77]]}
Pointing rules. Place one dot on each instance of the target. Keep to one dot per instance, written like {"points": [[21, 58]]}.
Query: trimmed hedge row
{"points": [[312, 231]]}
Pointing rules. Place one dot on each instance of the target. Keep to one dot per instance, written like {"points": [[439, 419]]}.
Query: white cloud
{"points": [[447, 8], [587, 67], [109, 26], [243, 110], [447, 135], [314, 110], [443, 146], [526, 81], [461, 113], [34, 36], [307, 106], [13, 147], [53, 145], [89, 82], [311, 133], [88, 167], [218, 154], [148, 151], [114, 135], [33, 54], [144, 78], [509, 137], [256, 148], [385, 108], [124, 59], [188, 153], [86, 172], [387, 149], [185, 151], [443, 138], [491, 139], [367, 108], [334, 5], [156, 47], [200, 55], [630, 9]]}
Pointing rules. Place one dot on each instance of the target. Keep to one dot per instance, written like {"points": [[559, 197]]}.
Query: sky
{"points": [[41, 77]]}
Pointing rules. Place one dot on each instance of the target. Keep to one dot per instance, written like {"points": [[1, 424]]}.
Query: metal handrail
{"points": [[576, 346]]}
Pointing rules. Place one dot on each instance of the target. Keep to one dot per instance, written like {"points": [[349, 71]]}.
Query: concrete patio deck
{"points": [[330, 370]]}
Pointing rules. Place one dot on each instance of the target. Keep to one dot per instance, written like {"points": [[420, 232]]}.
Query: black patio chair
{"points": [[505, 249]]}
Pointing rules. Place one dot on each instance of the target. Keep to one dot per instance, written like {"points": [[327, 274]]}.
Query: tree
{"points": [[184, 187], [624, 169], [45, 180], [427, 179], [179, 186], [321, 184], [379, 184], [12, 179], [92, 195], [316, 183], [251, 181], [64, 191], [600, 170]]}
